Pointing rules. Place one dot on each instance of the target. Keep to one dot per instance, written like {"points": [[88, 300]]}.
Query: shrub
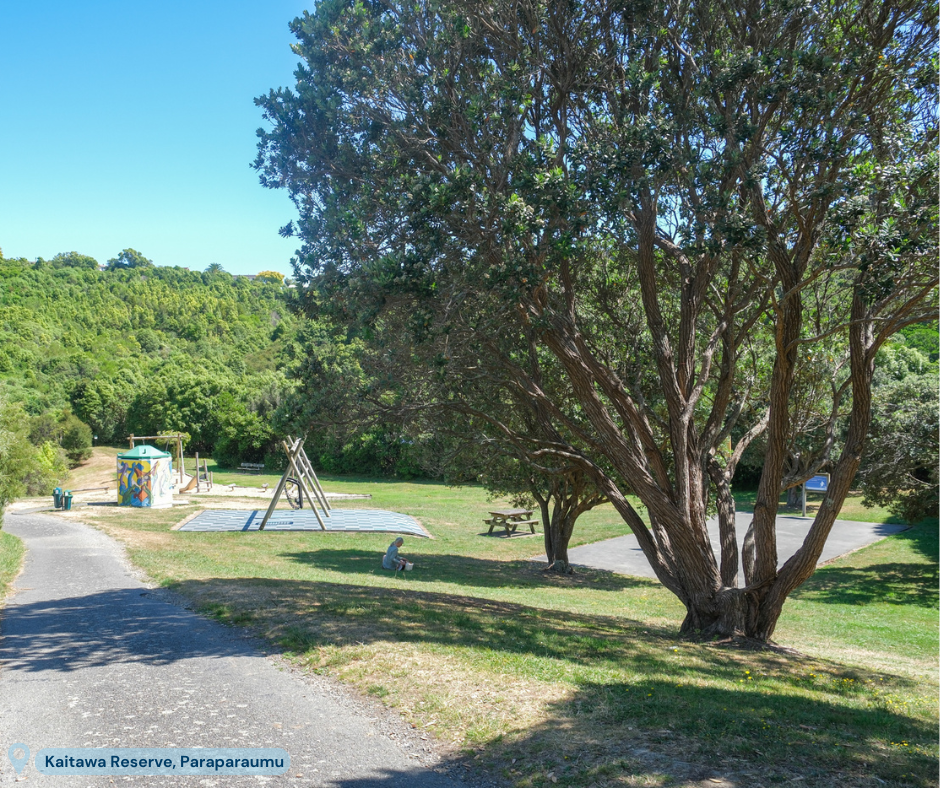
{"points": [[76, 439]]}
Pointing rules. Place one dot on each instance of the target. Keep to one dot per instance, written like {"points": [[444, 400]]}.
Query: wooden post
{"points": [[179, 449], [293, 457], [316, 481], [274, 500], [311, 478]]}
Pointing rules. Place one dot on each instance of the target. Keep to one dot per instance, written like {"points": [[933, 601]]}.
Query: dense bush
{"points": [[25, 469]]}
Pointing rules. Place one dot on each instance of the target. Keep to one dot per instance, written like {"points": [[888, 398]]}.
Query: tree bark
{"points": [[794, 497]]}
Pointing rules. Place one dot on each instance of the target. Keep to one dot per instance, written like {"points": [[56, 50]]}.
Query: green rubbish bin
{"points": [[67, 500], [57, 497]]}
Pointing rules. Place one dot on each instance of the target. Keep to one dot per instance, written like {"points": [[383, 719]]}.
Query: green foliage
{"points": [[142, 349], [52, 469], [14, 451], [695, 210], [899, 468], [129, 258], [66, 432], [344, 401], [44, 428], [73, 260], [25, 469], [241, 434], [924, 337], [76, 439]]}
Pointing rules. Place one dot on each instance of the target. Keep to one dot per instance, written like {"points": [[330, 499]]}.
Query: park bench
{"points": [[251, 467]]}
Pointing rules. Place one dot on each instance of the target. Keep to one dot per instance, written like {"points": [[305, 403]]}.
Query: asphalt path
{"points": [[91, 657], [623, 555]]}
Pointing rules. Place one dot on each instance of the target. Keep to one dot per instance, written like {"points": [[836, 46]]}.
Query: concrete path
{"points": [[90, 657], [624, 556]]}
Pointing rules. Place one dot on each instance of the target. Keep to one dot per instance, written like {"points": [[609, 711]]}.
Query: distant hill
{"points": [[142, 350]]}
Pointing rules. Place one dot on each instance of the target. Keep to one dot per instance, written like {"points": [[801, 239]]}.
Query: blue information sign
{"points": [[819, 483]]}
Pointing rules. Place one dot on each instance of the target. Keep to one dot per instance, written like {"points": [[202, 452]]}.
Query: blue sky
{"points": [[133, 125]]}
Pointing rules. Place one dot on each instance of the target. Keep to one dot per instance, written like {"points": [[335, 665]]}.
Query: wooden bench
{"points": [[511, 519], [251, 467]]}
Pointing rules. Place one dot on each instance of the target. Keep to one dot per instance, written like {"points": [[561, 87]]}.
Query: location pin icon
{"points": [[18, 763]]}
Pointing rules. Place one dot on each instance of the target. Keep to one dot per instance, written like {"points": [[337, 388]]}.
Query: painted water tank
{"points": [[145, 476]]}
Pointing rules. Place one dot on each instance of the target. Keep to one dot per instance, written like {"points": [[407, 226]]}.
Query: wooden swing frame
{"points": [[300, 468]]}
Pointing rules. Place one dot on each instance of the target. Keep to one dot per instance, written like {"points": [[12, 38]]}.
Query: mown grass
{"points": [[580, 680], [11, 559]]}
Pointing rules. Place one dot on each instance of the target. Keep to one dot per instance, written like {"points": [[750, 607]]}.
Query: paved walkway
{"points": [[90, 657], [624, 556]]}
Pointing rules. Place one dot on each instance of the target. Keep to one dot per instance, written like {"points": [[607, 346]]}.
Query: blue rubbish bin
{"points": [[57, 497], [67, 500]]}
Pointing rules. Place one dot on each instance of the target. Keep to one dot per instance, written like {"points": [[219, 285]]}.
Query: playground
{"points": [[296, 502]]}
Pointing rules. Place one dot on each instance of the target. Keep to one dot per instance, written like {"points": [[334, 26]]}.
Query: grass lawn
{"points": [[580, 681], [11, 558]]}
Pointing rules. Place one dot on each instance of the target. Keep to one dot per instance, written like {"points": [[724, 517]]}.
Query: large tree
{"points": [[129, 258], [683, 205]]}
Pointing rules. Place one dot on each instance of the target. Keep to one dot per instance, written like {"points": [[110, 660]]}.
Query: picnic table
{"points": [[511, 519]]}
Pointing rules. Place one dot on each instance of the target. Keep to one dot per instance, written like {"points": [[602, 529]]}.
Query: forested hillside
{"points": [[142, 350], [68, 332]]}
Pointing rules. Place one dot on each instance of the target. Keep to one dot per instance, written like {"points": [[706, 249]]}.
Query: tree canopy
{"points": [[129, 258], [72, 260], [703, 219]]}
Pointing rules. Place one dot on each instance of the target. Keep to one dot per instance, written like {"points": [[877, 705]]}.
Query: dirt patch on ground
{"points": [[99, 470]]}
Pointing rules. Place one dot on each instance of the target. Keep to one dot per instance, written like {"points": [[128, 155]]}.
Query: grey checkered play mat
{"points": [[357, 520]]}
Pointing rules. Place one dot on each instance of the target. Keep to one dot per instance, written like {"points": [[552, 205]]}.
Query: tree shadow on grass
{"points": [[898, 584], [895, 583], [299, 615], [924, 538], [757, 735], [684, 710], [464, 570]]}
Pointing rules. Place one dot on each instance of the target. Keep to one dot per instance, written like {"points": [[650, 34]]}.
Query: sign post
{"points": [[819, 483]]}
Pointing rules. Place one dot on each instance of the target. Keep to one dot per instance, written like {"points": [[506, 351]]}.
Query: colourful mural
{"points": [[144, 480]]}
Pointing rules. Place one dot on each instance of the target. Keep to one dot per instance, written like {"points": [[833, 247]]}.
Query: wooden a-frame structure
{"points": [[299, 467]]}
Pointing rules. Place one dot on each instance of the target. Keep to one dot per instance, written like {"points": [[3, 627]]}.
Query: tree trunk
{"points": [[558, 529], [795, 497], [570, 495]]}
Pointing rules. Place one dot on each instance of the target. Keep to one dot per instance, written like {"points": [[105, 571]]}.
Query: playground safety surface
{"points": [[340, 520]]}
